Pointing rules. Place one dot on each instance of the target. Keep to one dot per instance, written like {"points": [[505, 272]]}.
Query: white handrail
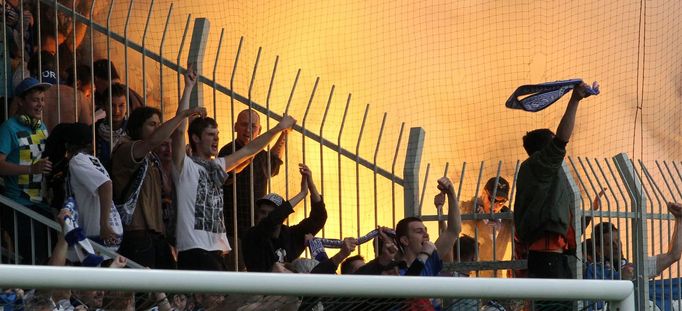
{"points": [[620, 294]]}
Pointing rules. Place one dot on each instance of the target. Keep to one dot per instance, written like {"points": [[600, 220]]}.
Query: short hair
{"points": [[137, 118], [83, 75], [346, 265], [535, 140], [198, 126], [403, 227], [467, 247], [117, 90], [101, 69], [601, 229]]}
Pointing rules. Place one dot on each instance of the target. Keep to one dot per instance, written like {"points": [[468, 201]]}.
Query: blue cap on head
{"points": [[29, 84]]}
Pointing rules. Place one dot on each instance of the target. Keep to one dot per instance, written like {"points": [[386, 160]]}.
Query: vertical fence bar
{"points": [[234, 173], [161, 45], [17, 247], [591, 211], [415, 146], [338, 143], [645, 176], [608, 203], [125, 56], [215, 69], [638, 198], [182, 46], [5, 60], [679, 289], [493, 197], [144, 55], [22, 34], [625, 202], [92, 82], [109, 64], [73, 51], [286, 143], [512, 192], [56, 36], [672, 198], [322, 123], [357, 172], [580, 224], [267, 119], [395, 160], [475, 211], [40, 43], [423, 192], [251, 195], [459, 192], [303, 136], [374, 162], [33, 241]]}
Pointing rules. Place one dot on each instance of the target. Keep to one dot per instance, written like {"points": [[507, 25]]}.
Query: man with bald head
{"points": [[247, 127]]}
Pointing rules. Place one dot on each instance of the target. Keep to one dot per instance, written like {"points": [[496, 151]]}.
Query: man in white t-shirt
{"points": [[201, 234]]}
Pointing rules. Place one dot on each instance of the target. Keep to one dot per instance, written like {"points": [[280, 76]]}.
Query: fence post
{"points": [[413, 158], [576, 204], [639, 227], [197, 49]]}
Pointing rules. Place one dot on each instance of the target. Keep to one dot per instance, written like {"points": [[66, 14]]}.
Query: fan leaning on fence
{"points": [[610, 264]]}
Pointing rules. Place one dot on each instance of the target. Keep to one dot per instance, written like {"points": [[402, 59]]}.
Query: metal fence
{"points": [[633, 196]]}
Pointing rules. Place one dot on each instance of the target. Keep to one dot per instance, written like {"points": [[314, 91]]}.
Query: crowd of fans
{"points": [[146, 192]]}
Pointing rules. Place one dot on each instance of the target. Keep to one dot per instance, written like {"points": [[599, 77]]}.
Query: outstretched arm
{"points": [[234, 160], [179, 134], [565, 129], [164, 131], [448, 237], [665, 260]]}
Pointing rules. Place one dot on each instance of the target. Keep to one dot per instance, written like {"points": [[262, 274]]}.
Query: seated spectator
{"points": [[610, 264], [493, 235], [271, 241], [113, 126], [201, 239], [22, 142], [145, 240], [102, 83], [248, 127], [59, 99]]}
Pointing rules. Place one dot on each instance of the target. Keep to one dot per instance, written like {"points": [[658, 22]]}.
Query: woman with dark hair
{"points": [[142, 187]]}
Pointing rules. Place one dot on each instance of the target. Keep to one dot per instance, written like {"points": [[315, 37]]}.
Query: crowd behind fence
{"points": [[617, 190]]}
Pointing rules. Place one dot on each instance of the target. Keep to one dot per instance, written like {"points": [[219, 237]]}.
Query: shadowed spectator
{"points": [[247, 127], [271, 241]]}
